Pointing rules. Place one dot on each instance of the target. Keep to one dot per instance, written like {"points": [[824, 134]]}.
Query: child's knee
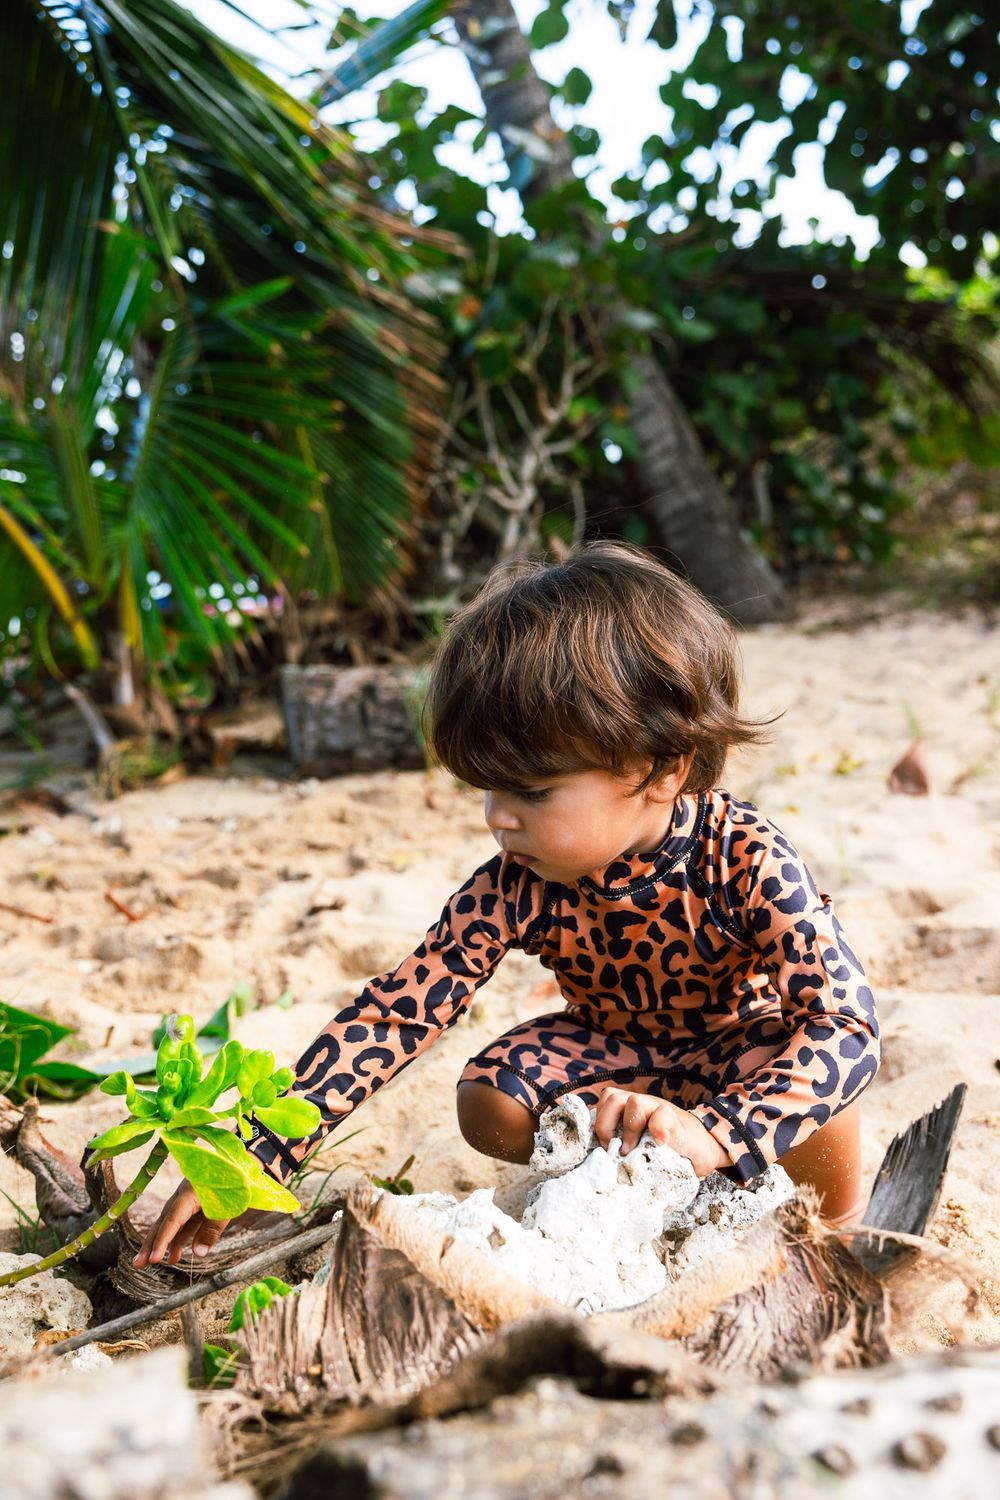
{"points": [[494, 1123]]}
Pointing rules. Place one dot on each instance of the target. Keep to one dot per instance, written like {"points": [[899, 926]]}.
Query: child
{"points": [[710, 996]]}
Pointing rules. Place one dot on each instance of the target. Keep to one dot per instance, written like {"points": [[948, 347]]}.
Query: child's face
{"points": [[570, 825]]}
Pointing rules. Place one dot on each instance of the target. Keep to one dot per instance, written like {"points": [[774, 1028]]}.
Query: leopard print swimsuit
{"points": [[710, 972]]}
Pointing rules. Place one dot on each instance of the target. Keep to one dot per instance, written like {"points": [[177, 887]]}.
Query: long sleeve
{"points": [[830, 1051], [403, 1012]]}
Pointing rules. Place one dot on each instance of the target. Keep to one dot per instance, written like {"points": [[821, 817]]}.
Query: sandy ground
{"points": [[307, 889]]}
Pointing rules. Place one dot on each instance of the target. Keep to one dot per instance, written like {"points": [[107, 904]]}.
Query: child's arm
{"points": [[398, 1015], [402, 1013], [831, 1050]]}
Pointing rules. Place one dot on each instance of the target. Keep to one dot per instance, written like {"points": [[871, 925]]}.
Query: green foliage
{"points": [[204, 381], [398, 1184], [221, 1361], [254, 1300], [182, 1111], [792, 361], [24, 1069]]}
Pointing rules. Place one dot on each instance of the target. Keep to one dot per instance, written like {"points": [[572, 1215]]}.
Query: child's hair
{"points": [[606, 661]]}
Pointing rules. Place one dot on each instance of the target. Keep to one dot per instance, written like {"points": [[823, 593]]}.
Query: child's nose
{"points": [[499, 814]]}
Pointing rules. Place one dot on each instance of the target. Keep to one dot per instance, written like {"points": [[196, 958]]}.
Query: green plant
{"points": [[398, 1183], [220, 1360], [31, 1228], [24, 1069], [181, 1120], [214, 387]]}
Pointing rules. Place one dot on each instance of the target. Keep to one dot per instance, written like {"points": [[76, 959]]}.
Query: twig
{"points": [[194, 1342], [19, 911], [92, 717], [126, 911], [247, 1271]]}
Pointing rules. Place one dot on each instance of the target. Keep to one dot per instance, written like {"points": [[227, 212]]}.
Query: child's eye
{"points": [[537, 794]]}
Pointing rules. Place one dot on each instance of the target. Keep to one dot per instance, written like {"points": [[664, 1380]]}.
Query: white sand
{"points": [[313, 888]]}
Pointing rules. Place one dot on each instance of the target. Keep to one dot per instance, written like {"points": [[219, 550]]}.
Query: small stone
{"points": [[860, 1407], [606, 1463], [688, 1434], [951, 1402], [918, 1450], [993, 1436], [836, 1459], [771, 1406]]}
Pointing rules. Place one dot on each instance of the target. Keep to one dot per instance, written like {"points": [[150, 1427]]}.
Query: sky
{"points": [[624, 107]]}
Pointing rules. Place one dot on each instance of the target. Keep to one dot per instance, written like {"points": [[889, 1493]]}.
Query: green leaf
{"points": [[220, 1186], [664, 28], [254, 1300], [549, 27], [220, 1365], [124, 1137], [61, 1080], [576, 87], [290, 1117], [220, 1077], [267, 1193], [24, 1039], [256, 1066], [191, 1115]]}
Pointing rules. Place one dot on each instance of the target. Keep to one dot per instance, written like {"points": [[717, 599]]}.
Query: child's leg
{"points": [[494, 1123], [503, 1091], [830, 1162]]}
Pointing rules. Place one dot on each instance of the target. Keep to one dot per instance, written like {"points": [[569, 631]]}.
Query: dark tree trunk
{"points": [[689, 511]]}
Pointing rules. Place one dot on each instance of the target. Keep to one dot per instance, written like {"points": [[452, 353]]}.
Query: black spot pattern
{"points": [[710, 971]]}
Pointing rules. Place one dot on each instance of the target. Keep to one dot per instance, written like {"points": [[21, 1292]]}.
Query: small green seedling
{"points": [[220, 1360], [180, 1118]]}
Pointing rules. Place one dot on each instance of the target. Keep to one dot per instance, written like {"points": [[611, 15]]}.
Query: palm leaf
{"points": [[190, 289]]}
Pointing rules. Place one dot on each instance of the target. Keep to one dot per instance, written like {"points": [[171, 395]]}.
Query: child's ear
{"points": [[669, 784]]}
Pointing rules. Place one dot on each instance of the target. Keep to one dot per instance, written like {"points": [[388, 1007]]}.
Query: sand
{"points": [[304, 890]]}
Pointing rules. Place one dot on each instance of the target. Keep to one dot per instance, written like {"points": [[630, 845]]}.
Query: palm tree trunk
{"points": [[683, 500]]}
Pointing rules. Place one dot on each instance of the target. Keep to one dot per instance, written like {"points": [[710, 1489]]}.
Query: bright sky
{"points": [[624, 107]]}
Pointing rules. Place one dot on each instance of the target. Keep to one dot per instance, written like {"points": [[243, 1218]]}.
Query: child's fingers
{"points": [[609, 1112], [207, 1234], [175, 1214], [662, 1123], [638, 1110]]}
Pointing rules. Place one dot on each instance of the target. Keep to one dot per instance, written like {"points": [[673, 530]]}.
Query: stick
{"points": [[19, 911], [247, 1271], [126, 911], [194, 1342]]}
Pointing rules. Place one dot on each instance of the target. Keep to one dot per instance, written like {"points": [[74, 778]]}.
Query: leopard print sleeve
{"points": [[828, 1050], [403, 1012]]}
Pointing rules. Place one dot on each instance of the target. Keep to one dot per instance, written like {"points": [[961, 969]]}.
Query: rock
{"points": [[33, 1306], [602, 1231], [125, 1433]]}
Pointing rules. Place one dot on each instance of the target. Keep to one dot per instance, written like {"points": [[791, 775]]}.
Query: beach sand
{"points": [[304, 890]]}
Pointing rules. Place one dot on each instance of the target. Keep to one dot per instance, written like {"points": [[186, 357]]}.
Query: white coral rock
{"points": [[35, 1305]]}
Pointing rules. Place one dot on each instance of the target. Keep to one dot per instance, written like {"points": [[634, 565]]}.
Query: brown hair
{"points": [[606, 661]]}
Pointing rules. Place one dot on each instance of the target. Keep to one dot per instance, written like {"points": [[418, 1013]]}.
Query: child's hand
{"points": [[181, 1220], [666, 1123]]}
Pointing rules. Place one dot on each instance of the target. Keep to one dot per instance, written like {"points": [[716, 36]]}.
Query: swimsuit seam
{"points": [[613, 1075], [723, 1108], [545, 1095], [621, 893]]}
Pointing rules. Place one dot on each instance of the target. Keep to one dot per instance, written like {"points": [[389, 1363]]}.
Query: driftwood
{"points": [[907, 1187], [919, 1430], [70, 1198], [246, 1271], [129, 1432], [411, 1324], [353, 718]]}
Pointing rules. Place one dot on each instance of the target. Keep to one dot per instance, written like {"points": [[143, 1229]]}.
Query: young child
{"points": [[710, 997]]}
